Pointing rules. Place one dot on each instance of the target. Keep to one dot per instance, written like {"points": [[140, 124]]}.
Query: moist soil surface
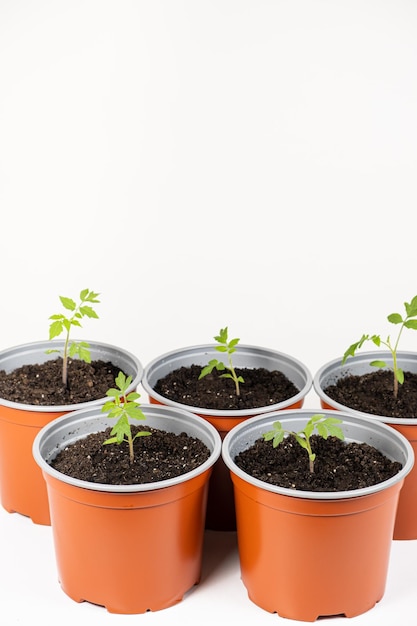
{"points": [[339, 466], [158, 456], [41, 384], [374, 393], [261, 388]]}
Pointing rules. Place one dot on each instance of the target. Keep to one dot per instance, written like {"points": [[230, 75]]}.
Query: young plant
{"points": [[62, 323], [123, 406], [229, 347], [325, 426], [408, 321]]}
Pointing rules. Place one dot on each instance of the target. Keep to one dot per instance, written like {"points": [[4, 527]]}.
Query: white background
{"points": [[210, 163]]}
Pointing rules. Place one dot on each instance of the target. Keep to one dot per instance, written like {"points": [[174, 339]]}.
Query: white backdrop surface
{"points": [[248, 164]]}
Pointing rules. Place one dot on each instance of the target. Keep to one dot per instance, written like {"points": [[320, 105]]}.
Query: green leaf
{"points": [[400, 375], [411, 308], [91, 297], [376, 339], [73, 349], [84, 352], [55, 329], [208, 368], [279, 437], [411, 324], [378, 363], [395, 318], [221, 348], [111, 440], [132, 396], [68, 303], [301, 440], [88, 311]]}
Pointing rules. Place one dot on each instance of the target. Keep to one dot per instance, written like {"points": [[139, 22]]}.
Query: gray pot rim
{"points": [[335, 365], [42, 346], [63, 430], [167, 356], [249, 430]]}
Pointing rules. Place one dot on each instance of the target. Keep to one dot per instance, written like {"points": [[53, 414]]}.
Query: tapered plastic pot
{"points": [[220, 507], [305, 554], [22, 486], [130, 548], [358, 365]]}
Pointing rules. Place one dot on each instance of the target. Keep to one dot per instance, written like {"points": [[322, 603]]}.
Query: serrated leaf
{"points": [[92, 297], [107, 406], [233, 343], [88, 311], [68, 303], [207, 369], [221, 348], [66, 324], [412, 307], [278, 438], [322, 430], [132, 396], [222, 336], [336, 431], [113, 393], [55, 329], [84, 353], [58, 316], [411, 324]]}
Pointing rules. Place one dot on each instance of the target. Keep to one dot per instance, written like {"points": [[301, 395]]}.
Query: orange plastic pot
{"points": [[406, 520], [306, 555], [22, 486], [220, 506], [130, 548]]}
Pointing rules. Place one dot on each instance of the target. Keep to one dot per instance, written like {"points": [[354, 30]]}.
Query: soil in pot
{"points": [[339, 466], [159, 456], [373, 393], [41, 384], [261, 388]]}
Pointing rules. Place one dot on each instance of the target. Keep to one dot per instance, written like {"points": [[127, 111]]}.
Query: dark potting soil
{"points": [[261, 388], [339, 466], [159, 456], [41, 384], [374, 393]]}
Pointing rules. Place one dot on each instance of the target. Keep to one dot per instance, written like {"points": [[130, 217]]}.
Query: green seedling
{"points": [[62, 323], [325, 427], [229, 347], [408, 321], [123, 406]]}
